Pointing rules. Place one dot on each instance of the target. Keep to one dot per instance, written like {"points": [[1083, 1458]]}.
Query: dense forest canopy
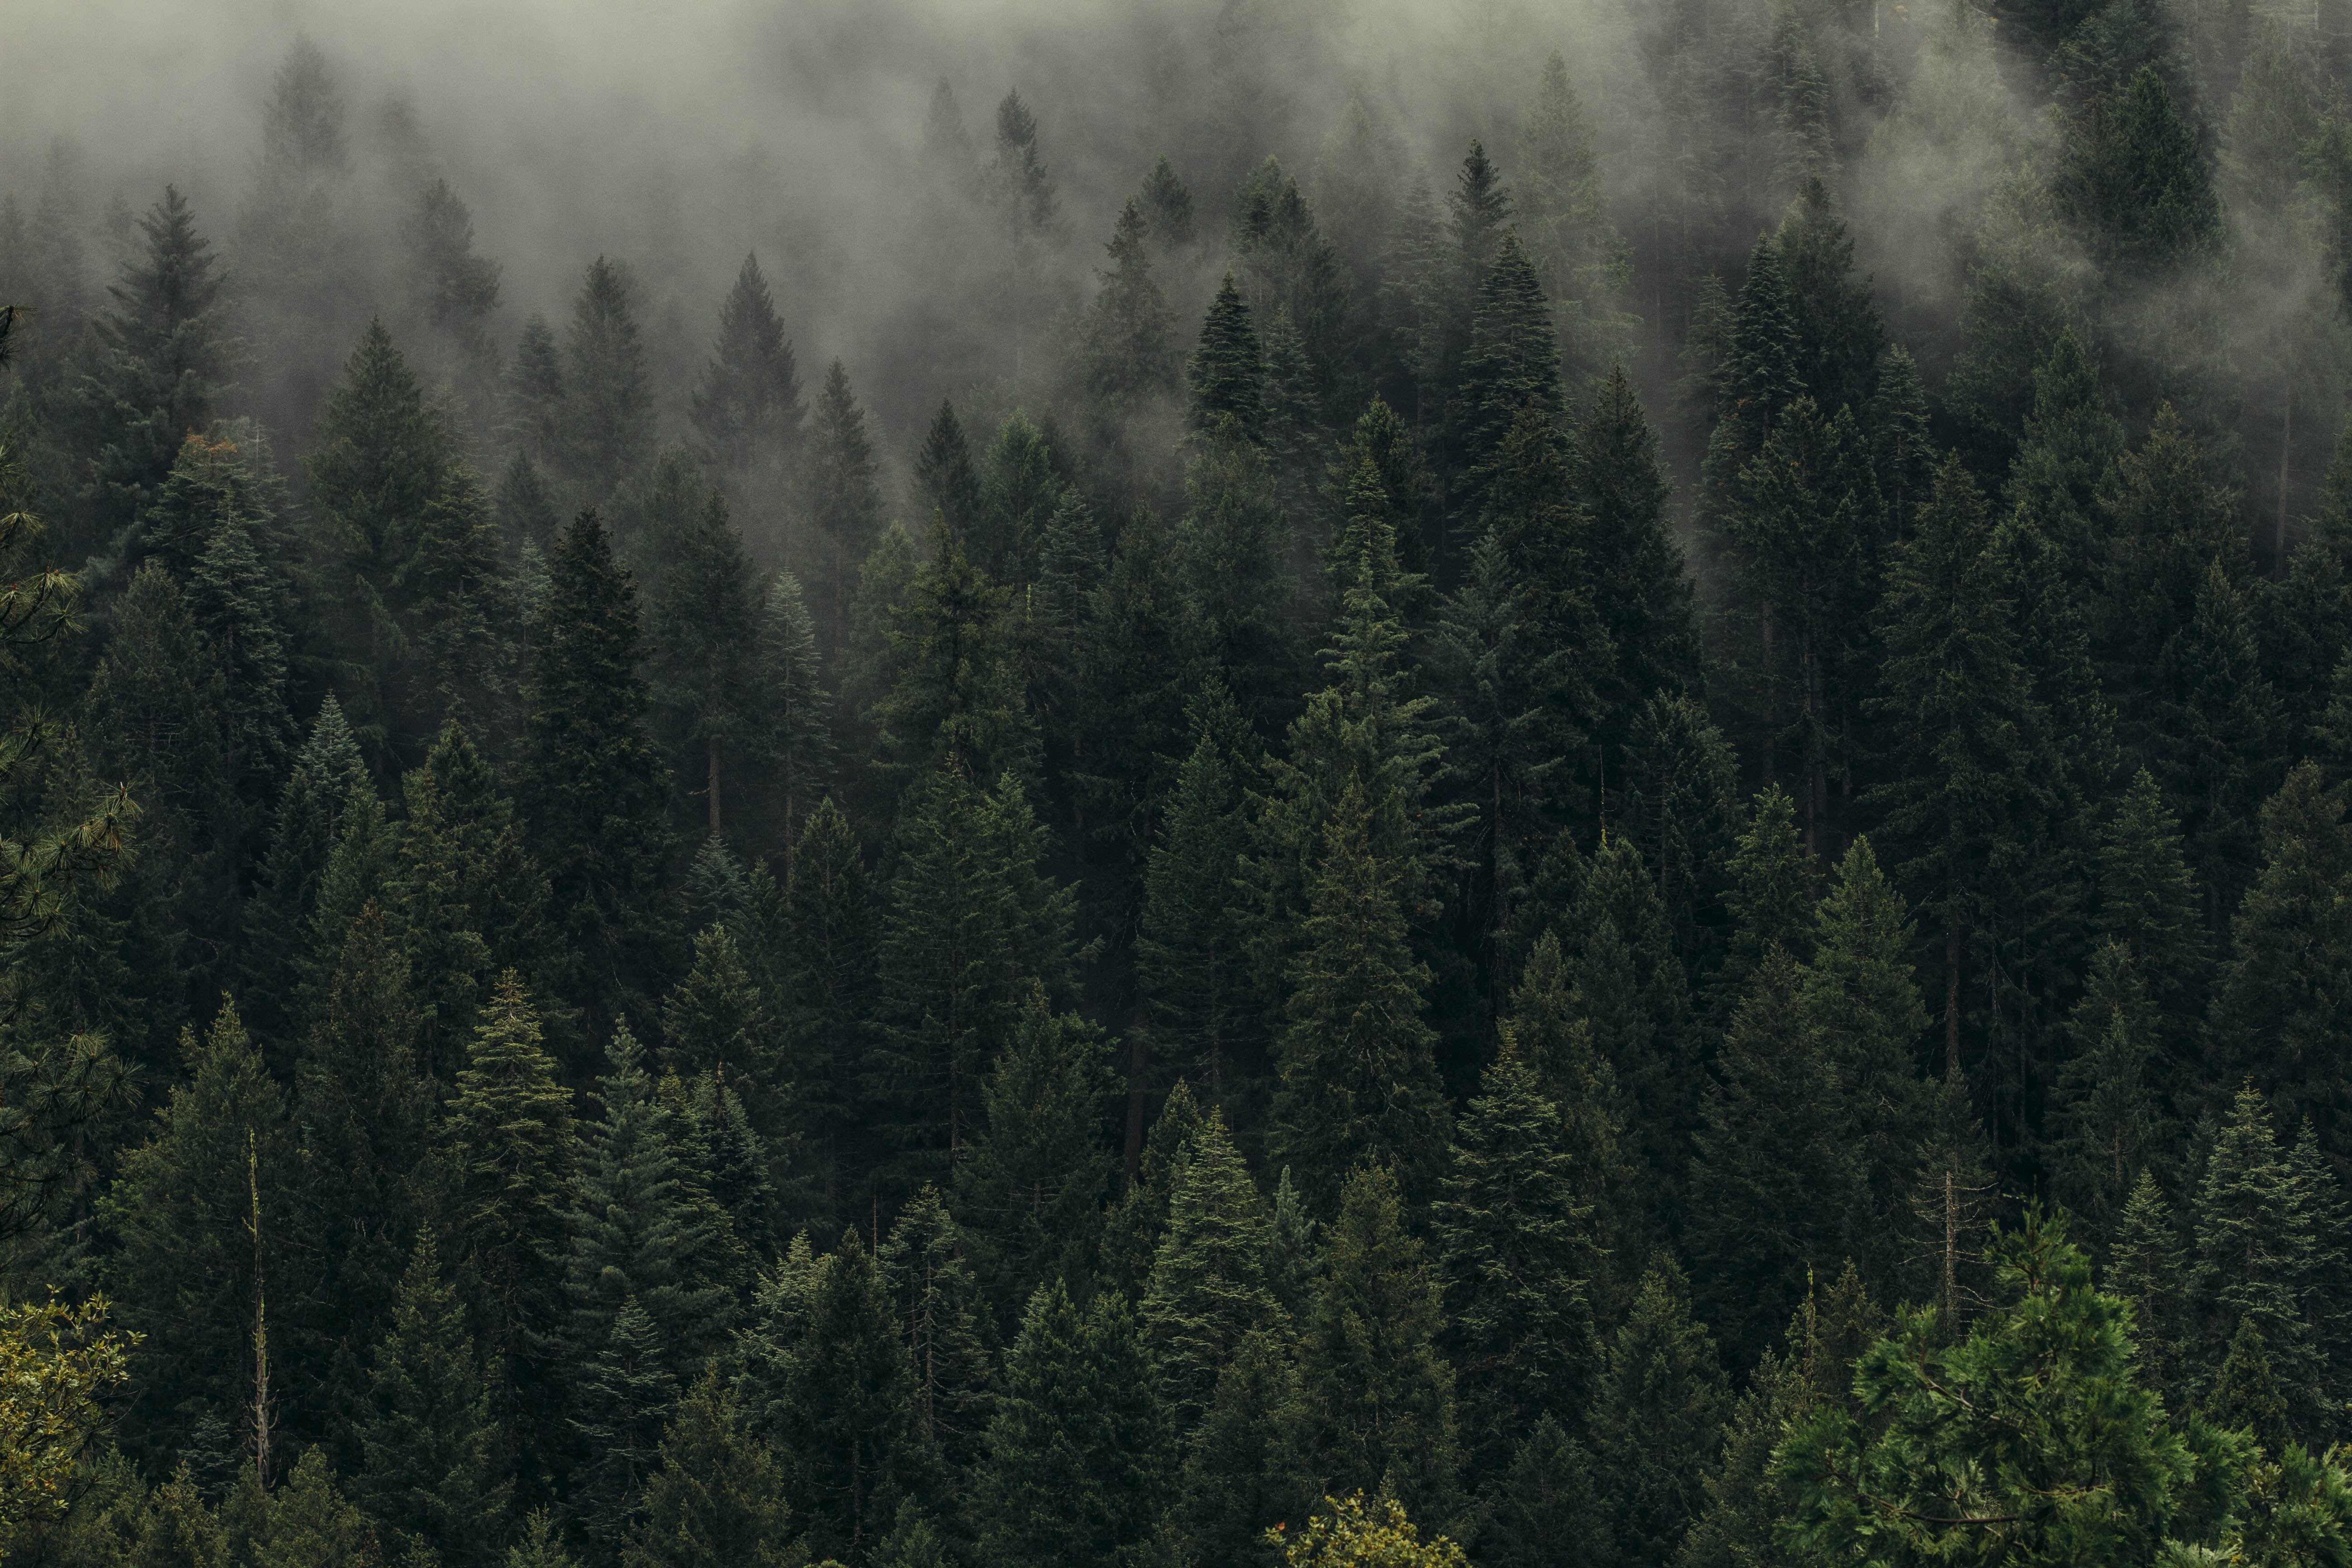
{"points": [[1257, 784]]}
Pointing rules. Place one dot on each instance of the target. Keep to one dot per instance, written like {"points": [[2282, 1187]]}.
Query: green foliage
{"points": [[1208, 1289], [607, 414], [1379, 1395], [1663, 1401]]}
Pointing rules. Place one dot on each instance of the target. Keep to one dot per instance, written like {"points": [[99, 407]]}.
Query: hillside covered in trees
{"points": [[1590, 813]]}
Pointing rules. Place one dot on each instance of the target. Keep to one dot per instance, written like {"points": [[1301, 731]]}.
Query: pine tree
{"points": [[842, 1398], [1516, 1249], [2135, 182], [162, 361], [1545, 1506], [1078, 1452], [594, 785], [1379, 1397], [956, 699], [606, 418], [843, 503], [1208, 1289], [719, 1496], [1564, 216], [643, 1238], [1031, 1188], [1756, 379], [2149, 1268], [717, 1028], [1246, 1472], [1021, 485], [748, 409], [1358, 1079], [1128, 353], [327, 771], [1133, 1230], [2245, 1394], [1859, 998], [822, 957], [2070, 440], [623, 1398], [1841, 338], [184, 1271], [2104, 1128], [1641, 595], [1230, 550], [2148, 900], [706, 622], [1656, 1425], [1777, 1181], [2260, 1255], [943, 1315], [1510, 364], [2280, 1012], [431, 1440], [1680, 809], [1227, 370], [506, 1134]]}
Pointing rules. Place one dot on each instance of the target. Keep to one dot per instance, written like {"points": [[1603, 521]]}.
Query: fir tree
{"points": [[1545, 1505], [1129, 353], [1516, 1249], [594, 785], [717, 1497], [748, 409], [1227, 372], [2135, 182], [704, 621], [1021, 485], [1358, 1079], [943, 1316], [1246, 1471], [2070, 440], [717, 1027], [431, 1441], [1208, 1289], [2149, 1268], [1230, 549], [843, 1400], [625, 1393], [1168, 202], [1075, 1467], [1641, 595], [508, 1136], [1655, 1426], [2148, 900], [1776, 1181], [606, 418], [1032, 1186], [327, 771], [1132, 1232], [957, 698], [946, 481], [843, 503], [2103, 1123], [2245, 1396], [1511, 364], [1379, 1396], [823, 959]]}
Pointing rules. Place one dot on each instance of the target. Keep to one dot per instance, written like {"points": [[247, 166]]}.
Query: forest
{"points": [[1523, 784]]}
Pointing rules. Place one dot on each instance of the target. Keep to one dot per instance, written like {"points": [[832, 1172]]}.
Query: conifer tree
{"points": [[1776, 1183], [717, 1497], [1229, 550], [2245, 1396], [507, 1133], [1545, 1031], [2070, 441], [748, 409], [1246, 1471], [1510, 364], [843, 1402], [2103, 1120], [1208, 1290], [622, 1400], [238, 602], [1020, 484], [1641, 595], [946, 481], [2149, 1268], [822, 957], [161, 360], [1515, 1250], [430, 1442], [706, 621], [1132, 1232], [2148, 900], [1379, 1395], [1858, 995], [1077, 1451], [1357, 1081], [943, 1313], [2135, 182], [1564, 216], [1756, 379], [2279, 1015], [843, 503], [716, 1022], [327, 771], [642, 1238], [605, 422], [1128, 353], [1542, 1503], [1655, 1426], [1227, 372], [1032, 1185], [2260, 1255], [595, 788], [956, 699], [185, 1272]]}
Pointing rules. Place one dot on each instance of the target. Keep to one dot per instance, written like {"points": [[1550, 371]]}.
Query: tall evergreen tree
{"points": [[1247, 1473], [1208, 1289], [719, 1496], [1656, 1424], [944, 1316], [706, 624], [607, 410], [2135, 182], [1516, 1249], [430, 1476], [594, 786], [1641, 595], [818, 952], [843, 503], [1227, 372], [747, 410], [1075, 1469], [946, 481], [1379, 1396], [1510, 364], [2104, 1124]]}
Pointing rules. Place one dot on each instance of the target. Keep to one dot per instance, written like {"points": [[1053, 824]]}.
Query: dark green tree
{"points": [[844, 505], [592, 785], [747, 410], [1208, 1287], [1656, 1426], [1642, 598], [927, 1269], [1510, 364], [1379, 1395], [1246, 1470], [946, 481], [430, 1443], [2136, 183], [706, 624], [719, 1497], [2103, 1125], [1227, 370], [607, 419]]}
